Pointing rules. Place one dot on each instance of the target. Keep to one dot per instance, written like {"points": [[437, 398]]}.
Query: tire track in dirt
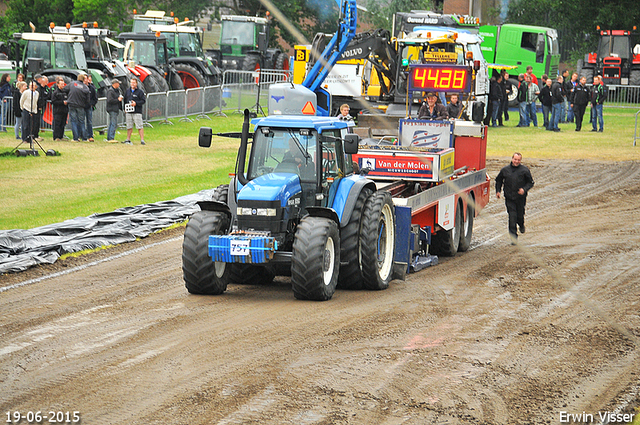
{"points": [[485, 337]]}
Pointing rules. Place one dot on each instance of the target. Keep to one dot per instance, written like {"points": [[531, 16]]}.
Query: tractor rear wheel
{"points": [[315, 259], [350, 276], [282, 62], [201, 274], [150, 84], [190, 76], [175, 83], [446, 242], [377, 241], [160, 81]]}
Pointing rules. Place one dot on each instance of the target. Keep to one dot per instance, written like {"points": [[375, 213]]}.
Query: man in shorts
{"points": [[134, 98]]}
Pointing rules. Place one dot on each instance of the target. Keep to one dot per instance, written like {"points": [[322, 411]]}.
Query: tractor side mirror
{"points": [[262, 41], [204, 137], [351, 142]]}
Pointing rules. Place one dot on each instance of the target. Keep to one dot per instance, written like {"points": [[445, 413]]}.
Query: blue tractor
{"points": [[295, 207]]}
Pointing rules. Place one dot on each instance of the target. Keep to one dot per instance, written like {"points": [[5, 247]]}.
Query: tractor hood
{"points": [[271, 187]]}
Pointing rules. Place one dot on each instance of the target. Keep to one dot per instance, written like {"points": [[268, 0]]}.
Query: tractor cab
{"points": [[294, 163]]}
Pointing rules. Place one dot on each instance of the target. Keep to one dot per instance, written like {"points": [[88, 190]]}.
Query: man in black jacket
{"points": [[114, 105], [88, 111], [517, 181], [506, 92], [77, 100], [495, 97], [455, 108], [522, 100], [557, 100], [545, 99], [579, 99], [45, 95], [60, 109], [134, 98]]}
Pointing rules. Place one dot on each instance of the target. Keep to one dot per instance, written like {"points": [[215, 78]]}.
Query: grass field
{"points": [[100, 177]]}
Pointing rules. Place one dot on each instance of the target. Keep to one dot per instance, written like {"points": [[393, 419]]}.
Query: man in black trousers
{"points": [[517, 181]]}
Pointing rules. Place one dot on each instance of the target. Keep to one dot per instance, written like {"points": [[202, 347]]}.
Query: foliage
{"points": [[108, 13], [576, 19], [39, 12], [7, 28]]}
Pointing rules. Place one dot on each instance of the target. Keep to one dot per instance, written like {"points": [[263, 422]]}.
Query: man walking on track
{"points": [[517, 181]]}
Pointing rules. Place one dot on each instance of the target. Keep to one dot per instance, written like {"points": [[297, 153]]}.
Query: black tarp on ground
{"points": [[21, 249]]}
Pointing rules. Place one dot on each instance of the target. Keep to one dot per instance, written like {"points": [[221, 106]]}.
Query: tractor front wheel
{"points": [[201, 274], [315, 259]]}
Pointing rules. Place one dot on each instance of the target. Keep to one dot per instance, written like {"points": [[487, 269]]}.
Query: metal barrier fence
{"points": [[240, 90], [249, 90]]}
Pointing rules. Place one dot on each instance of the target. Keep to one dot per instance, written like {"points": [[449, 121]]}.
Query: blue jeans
{"points": [[88, 129], [563, 111], [555, 116], [546, 111], [76, 116], [570, 113], [596, 115], [495, 111], [532, 114], [18, 127], [113, 123], [524, 121]]}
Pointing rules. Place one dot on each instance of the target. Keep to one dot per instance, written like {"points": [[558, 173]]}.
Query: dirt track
{"points": [[498, 335]]}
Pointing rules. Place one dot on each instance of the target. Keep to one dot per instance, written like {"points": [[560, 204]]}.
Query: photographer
{"points": [[29, 106]]}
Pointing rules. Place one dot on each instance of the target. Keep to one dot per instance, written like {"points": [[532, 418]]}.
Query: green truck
{"points": [[521, 46]]}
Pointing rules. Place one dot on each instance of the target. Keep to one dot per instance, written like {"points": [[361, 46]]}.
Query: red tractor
{"points": [[617, 59]]}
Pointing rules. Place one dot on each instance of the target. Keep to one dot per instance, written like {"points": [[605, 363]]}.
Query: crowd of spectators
{"points": [[72, 102], [563, 100]]}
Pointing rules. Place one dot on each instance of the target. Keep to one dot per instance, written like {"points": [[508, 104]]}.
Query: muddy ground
{"points": [[498, 335]]}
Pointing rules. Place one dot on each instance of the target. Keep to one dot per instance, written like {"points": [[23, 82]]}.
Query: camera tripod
{"points": [[30, 139]]}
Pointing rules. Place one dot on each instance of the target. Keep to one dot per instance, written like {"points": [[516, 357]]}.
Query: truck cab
{"points": [[521, 46]]}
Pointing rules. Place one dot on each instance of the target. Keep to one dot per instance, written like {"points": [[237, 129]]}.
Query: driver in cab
{"points": [[433, 110], [294, 154]]}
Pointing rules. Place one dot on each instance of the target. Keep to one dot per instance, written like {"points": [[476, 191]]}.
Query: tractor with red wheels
{"points": [[145, 55], [617, 59]]}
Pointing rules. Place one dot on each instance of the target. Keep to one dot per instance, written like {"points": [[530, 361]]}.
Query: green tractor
{"points": [[243, 45], [60, 54], [184, 46]]}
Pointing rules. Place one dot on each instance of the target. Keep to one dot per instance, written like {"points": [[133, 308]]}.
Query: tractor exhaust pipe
{"points": [[242, 152]]}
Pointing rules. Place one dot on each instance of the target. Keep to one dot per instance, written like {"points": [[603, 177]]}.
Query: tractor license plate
{"points": [[240, 247]]}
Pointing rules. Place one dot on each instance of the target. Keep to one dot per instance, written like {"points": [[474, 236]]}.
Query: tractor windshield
{"points": [[616, 46], [189, 44], [283, 151], [40, 49], [144, 52], [237, 33], [65, 56]]}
